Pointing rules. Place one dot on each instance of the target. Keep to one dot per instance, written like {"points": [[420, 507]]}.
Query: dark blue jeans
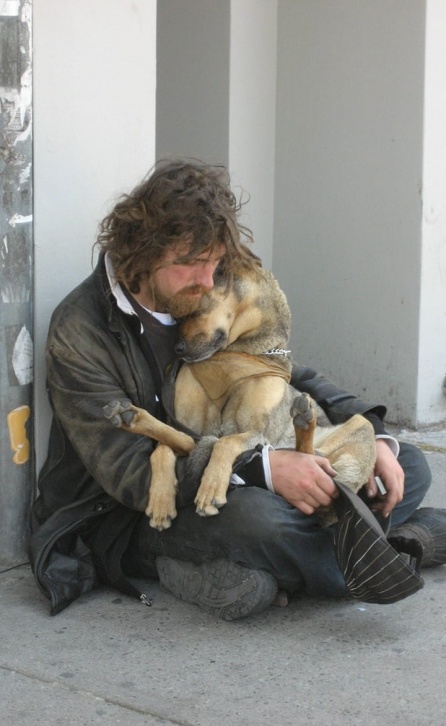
{"points": [[260, 530]]}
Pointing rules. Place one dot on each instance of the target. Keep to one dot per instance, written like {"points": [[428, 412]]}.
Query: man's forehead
{"points": [[182, 251], [215, 252]]}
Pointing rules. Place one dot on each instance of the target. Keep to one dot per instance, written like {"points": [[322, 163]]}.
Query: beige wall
{"points": [[94, 137]]}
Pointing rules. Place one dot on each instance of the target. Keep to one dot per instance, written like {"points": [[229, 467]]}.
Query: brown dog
{"points": [[234, 385]]}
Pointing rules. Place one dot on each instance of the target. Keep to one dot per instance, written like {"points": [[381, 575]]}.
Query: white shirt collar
{"points": [[122, 301]]}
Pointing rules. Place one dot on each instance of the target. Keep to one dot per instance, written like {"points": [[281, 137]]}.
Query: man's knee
{"points": [[256, 513], [418, 476]]}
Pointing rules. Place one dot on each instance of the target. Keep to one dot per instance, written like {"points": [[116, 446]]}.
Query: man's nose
{"points": [[205, 276]]}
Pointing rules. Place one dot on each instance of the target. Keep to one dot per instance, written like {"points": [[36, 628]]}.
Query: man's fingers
{"points": [[325, 465], [385, 507], [371, 488], [388, 501]]}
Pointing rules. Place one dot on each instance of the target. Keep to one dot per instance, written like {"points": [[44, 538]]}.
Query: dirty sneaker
{"points": [[221, 587], [428, 526]]}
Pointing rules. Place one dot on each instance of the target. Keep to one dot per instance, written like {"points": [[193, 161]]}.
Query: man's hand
{"points": [[392, 476], [305, 481]]}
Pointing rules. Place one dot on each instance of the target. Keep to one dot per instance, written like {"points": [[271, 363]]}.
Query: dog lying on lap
{"points": [[236, 371]]}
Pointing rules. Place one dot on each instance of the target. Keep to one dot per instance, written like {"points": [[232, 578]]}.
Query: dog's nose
{"points": [[219, 338], [180, 347]]}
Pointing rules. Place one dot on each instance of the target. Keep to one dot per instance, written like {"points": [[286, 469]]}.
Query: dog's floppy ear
{"points": [[230, 269]]}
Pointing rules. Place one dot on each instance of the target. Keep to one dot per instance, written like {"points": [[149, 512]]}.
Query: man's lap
{"points": [[260, 530]]}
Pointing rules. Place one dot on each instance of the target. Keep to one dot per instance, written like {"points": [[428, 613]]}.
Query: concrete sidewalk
{"points": [[109, 660]]}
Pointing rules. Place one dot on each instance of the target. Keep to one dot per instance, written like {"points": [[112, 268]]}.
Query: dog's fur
{"points": [[234, 389]]}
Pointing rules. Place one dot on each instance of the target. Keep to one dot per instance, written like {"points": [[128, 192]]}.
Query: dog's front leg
{"points": [[163, 488], [211, 495], [124, 415], [304, 415]]}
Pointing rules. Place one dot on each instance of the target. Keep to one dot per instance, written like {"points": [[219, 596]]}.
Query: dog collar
{"points": [[277, 351]]}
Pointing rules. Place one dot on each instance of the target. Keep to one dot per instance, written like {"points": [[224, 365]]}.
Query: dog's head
{"points": [[247, 313]]}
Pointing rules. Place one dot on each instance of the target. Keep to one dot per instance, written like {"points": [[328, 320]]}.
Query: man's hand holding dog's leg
{"points": [[303, 480]]}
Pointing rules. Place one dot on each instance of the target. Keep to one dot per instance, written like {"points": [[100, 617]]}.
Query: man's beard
{"points": [[182, 303]]}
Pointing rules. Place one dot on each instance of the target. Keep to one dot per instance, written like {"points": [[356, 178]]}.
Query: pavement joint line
{"points": [[431, 448], [14, 567], [83, 691]]}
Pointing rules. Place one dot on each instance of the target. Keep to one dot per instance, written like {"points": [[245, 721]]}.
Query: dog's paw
{"points": [[209, 501], [120, 412], [159, 522], [161, 514], [303, 411]]}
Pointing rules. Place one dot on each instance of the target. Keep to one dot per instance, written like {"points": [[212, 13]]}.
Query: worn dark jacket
{"points": [[94, 485]]}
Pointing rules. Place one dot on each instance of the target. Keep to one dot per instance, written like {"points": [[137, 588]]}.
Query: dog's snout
{"points": [[201, 347], [219, 338], [180, 347]]}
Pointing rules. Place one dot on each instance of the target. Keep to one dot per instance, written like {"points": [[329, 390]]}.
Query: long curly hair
{"points": [[180, 200]]}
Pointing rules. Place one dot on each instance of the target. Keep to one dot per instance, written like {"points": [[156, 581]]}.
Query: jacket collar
{"points": [[115, 288]]}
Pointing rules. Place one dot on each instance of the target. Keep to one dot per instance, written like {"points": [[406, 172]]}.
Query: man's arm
{"points": [[306, 481], [80, 384], [338, 405]]}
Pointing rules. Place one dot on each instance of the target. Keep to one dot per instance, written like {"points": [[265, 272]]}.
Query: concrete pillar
{"points": [[360, 196], [252, 114], [431, 399], [192, 98], [216, 75]]}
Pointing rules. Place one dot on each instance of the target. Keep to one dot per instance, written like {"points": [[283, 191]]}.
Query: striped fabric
{"points": [[373, 569]]}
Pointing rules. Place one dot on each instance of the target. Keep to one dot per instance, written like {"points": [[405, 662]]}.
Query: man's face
{"points": [[177, 287]]}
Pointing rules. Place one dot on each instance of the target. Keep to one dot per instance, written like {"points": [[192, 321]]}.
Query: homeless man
{"points": [[113, 337]]}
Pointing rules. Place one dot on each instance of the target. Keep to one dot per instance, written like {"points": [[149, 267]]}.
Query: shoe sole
{"points": [[221, 587]]}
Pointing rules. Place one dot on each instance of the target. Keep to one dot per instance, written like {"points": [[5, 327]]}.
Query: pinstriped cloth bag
{"points": [[373, 567]]}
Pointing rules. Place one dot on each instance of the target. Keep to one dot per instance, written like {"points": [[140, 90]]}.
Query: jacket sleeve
{"points": [[84, 445], [338, 405]]}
